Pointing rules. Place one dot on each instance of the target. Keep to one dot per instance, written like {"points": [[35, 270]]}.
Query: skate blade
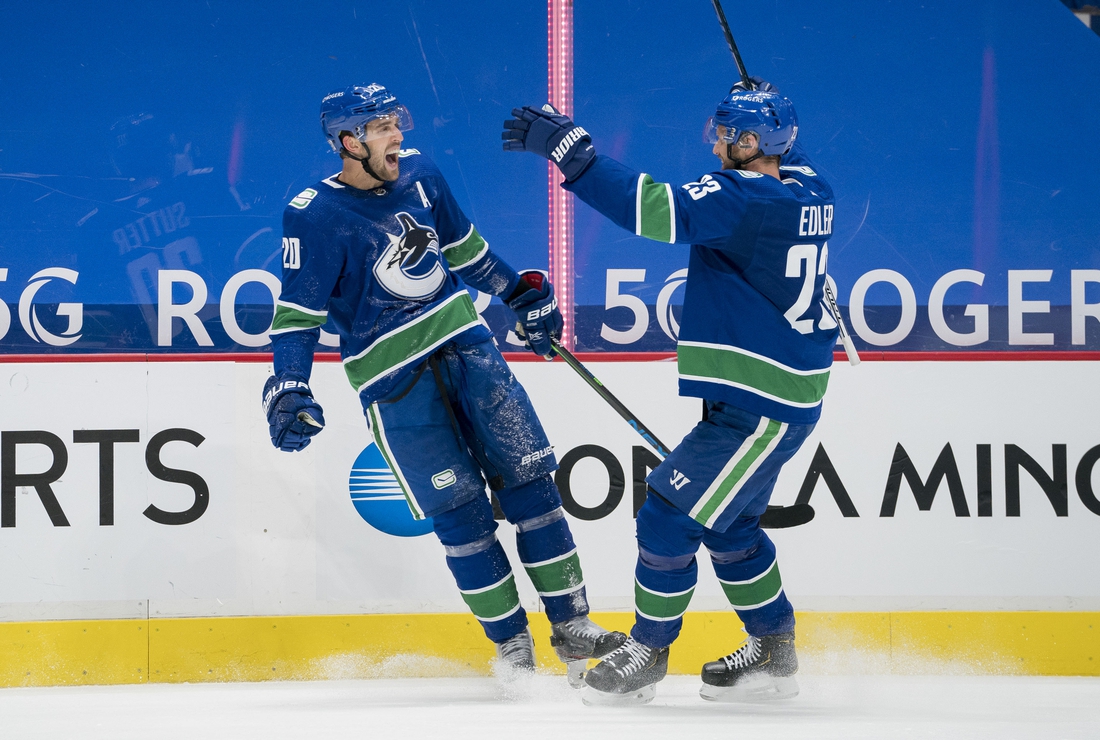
{"points": [[596, 698], [575, 671], [753, 690]]}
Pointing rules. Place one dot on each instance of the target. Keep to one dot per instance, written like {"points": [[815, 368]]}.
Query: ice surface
{"points": [[864, 706]]}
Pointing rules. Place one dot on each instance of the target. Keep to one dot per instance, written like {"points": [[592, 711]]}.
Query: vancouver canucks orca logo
{"points": [[410, 266]]}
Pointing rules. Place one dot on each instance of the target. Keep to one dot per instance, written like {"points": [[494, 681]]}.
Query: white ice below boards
{"points": [[864, 706]]}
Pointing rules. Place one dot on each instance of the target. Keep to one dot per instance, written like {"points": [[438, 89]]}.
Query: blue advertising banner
{"points": [[146, 156]]}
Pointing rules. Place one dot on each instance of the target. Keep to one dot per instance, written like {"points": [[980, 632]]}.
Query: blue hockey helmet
{"points": [[352, 108], [767, 114]]}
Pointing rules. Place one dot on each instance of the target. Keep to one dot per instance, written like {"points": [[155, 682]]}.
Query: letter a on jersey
{"points": [[410, 266]]}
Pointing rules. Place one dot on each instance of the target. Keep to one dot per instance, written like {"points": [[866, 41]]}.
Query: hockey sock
{"points": [[754, 587], [666, 573], [546, 547], [480, 568], [548, 554]]}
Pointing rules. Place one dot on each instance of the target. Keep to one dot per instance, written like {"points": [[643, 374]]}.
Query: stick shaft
{"points": [[613, 402], [845, 339], [732, 44]]}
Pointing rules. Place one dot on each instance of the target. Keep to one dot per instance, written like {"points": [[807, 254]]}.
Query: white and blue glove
{"points": [[549, 134], [537, 310], [292, 414]]}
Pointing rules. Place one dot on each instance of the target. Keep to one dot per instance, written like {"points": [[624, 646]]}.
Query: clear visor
{"points": [[713, 133], [398, 119]]}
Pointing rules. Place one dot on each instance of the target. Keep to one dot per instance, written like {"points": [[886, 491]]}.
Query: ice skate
{"points": [[577, 640], [628, 675], [760, 670], [515, 657]]}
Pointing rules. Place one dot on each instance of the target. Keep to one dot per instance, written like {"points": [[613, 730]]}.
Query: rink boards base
{"points": [[213, 557], [299, 648]]}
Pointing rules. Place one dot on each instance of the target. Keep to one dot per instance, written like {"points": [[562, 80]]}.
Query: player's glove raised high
{"points": [[537, 310], [759, 85], [294, 417], [549, 134]]}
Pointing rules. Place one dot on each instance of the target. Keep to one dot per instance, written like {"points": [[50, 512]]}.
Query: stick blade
{"points": [[784, 517]]}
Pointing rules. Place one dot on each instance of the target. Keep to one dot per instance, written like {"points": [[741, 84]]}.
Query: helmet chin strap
{"points": [[365, 162], [739, 164]]}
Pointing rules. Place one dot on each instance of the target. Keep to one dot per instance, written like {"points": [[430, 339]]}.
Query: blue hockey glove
{"points": [[537, 310], [549, 134], [294, 417], [758, 84]]}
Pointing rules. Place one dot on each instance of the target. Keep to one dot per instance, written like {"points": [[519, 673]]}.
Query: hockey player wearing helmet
{"points": [[382, 251], [755, 343]]}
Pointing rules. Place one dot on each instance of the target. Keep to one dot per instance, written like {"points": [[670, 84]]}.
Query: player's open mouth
{"points": [[391, 159]]}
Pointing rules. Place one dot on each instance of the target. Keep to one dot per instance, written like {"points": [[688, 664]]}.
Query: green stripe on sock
{"points": [[660, 606], [729, 364], [727, 486], [495, 602], [560, 575], [654, 213], [755, 593]]}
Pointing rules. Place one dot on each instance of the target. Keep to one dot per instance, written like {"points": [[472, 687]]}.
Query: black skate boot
{"points": [[578, 639], [760, 670], [515, 657], [628, 675]]}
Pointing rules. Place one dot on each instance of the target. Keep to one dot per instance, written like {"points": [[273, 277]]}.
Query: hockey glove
{"points": [[537, 309], [292, 414], [758, 84], [549, 134]]}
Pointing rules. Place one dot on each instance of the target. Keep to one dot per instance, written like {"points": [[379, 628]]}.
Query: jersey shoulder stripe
{"points": [[655, 210], [465, 251]]}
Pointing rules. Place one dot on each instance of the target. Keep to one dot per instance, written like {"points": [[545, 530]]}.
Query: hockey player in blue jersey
{"points": [[383, 251], [756, 344]]}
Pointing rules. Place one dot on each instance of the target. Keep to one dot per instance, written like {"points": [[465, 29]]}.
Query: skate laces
{"points": [[638, 656], [584, 628], [744, 655]]}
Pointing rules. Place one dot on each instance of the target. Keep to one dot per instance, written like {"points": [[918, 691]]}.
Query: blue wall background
{"points": [[956, 134]]}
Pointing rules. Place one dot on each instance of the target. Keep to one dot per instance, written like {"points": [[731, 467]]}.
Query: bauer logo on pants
{"points": [[379, 499]]}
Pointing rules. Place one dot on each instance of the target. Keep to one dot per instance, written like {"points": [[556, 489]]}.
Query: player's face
{"points": [[384, 141], [744, 149]]}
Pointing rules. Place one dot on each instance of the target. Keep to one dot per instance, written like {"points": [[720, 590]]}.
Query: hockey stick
{"points": [[845, 339], [776, 517], [849, 346], [733, 46]]}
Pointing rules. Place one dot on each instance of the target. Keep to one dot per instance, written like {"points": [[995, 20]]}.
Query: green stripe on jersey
{"points": [[466, 250], [288, 318], [660, 607], [412, 340], [756, 592], [733, 366], [655, 217], [737, 471], [495, 602], [555, 577]]}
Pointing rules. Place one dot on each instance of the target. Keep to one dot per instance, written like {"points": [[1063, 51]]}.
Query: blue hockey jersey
{"points": [[389, 267], [754, 332]]}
